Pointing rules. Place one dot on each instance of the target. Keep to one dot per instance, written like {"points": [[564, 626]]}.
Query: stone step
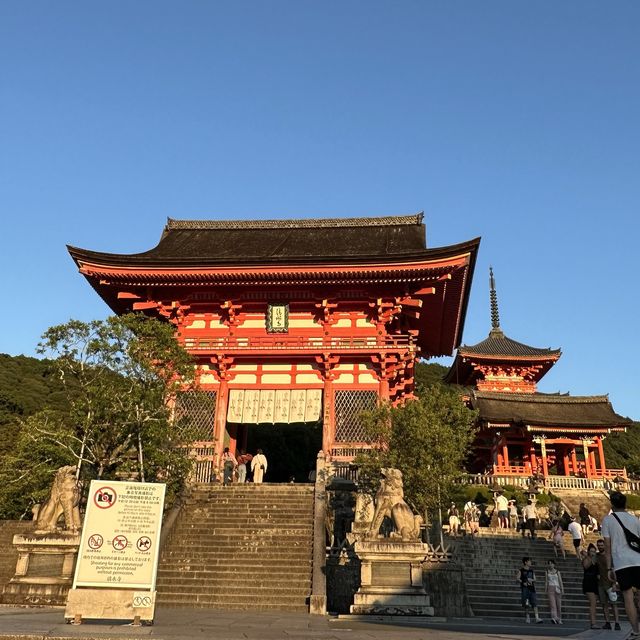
{"points": [[265, 559], [301, 607], [292, 581], [230, 573]]}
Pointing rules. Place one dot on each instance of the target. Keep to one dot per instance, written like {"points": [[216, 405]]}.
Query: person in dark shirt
{"points": [[527, 579]]}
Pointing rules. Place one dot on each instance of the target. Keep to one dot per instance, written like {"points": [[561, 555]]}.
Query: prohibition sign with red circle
{"points": [[95, 541], [119, 543], [105, 497]]}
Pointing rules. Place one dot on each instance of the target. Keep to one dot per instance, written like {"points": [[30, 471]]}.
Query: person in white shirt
{"points": [[622, 562], [530, 516], [502, 510], [258, 466], [575, 530]]}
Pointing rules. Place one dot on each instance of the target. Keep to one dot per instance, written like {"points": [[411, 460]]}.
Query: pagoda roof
{"points": [[498, 349], [208, 242], [498, 346], [547, 410]]}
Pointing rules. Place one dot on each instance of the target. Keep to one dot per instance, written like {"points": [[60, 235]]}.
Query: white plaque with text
{"points": [[121, 535]]}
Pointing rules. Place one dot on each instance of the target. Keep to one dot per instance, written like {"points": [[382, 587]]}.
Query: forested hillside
{"points": [[27, 385]]}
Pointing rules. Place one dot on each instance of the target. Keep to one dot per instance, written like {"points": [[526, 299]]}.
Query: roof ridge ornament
{"points": [[493, 298], [308, 223]]}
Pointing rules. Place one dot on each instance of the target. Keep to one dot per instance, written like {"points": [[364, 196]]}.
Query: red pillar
{"points": [[329, 417], [603, 466], [220, 422], [574, 460], [543, 451]]}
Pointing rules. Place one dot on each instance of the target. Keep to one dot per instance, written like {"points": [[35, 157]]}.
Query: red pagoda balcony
{"points": [[279, 343]]}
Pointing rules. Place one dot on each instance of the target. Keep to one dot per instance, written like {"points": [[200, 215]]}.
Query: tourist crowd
{"points": [[245, 468], [610, 567]]}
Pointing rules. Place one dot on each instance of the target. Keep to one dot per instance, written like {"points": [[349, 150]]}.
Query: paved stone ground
{"points": [[206, 624]]}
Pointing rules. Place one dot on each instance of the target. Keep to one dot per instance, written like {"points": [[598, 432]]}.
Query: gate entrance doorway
{"points": [[291, 448]]}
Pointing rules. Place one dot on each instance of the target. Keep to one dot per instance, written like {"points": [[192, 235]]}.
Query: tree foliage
{"points": [[117, 377], [427, 439]]}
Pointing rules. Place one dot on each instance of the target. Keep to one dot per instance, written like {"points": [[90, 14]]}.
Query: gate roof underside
{"points": [[386, 253]]}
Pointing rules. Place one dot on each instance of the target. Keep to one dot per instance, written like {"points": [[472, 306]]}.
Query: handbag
{"points": [[632, 539]]}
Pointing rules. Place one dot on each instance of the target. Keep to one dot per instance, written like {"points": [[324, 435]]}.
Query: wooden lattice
{"points": [[195, 414], [348, 407]]}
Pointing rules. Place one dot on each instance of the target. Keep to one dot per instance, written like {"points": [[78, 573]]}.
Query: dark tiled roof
{"points": [[499, 346], [186, 242], [547, 409]]}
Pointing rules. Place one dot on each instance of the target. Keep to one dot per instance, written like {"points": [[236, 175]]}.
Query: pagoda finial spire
{"points": [[493, 297]]}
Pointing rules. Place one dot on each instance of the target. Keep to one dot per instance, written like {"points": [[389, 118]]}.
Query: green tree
{"points": [[427, 439], [118, 376]]}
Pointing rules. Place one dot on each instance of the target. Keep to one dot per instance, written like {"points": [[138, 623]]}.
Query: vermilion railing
{"points": [[288, 342], [512, 469]]}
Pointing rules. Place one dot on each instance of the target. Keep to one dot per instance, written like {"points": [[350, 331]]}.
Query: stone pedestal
{"points": [[44, 571], [391, 579]]}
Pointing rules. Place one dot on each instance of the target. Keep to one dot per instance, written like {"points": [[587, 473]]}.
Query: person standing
{"points": [[530, 516], [259, 466], [576, 533], [454, 520], [557, 533], [585, 518], [502, 509], [590, 581], [555, 591], [606, 590], [229, 463], [527, 579], [513, 515], [243, 458], [622, 562], [471, 517]]}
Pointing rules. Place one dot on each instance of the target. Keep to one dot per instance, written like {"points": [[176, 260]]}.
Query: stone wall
{"points": [[444, 582]]}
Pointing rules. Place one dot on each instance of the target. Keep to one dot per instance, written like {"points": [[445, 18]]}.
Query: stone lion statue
{"points": [[63, 501], [389, 502]]}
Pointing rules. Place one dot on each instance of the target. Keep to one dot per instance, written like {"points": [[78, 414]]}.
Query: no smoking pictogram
{"points": [[105, 497], [119, 543], [95, 541], [144, 543]]}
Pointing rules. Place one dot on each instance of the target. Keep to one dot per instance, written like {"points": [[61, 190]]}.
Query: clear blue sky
{"points": [[514, 121]]}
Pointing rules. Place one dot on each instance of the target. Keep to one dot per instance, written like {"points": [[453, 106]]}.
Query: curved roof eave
{"points": [[150, 261]]}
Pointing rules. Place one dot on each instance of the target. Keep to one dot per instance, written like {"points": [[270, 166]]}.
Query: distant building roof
{"points": [[547, 410]]}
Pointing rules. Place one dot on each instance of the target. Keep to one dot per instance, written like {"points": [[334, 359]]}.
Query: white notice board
{"points": [[121, 535]]}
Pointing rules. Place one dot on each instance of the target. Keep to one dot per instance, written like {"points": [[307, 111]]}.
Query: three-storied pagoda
{"points": [[295, 321], [523, 432]]}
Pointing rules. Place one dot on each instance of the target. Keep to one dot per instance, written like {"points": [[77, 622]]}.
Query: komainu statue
{"points": [[389, 501], [63, 501]]}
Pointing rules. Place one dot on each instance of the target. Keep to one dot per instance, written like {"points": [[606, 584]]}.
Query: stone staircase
{"points": [[244, 546], [490, 562], [597, 501]]}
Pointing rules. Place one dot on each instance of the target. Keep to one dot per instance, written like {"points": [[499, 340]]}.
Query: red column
{"points": [[566, 462], [587, 459], [220, 422], [592, 462], [329, 417], [603, 466], [543, 452], [574, 460]]}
